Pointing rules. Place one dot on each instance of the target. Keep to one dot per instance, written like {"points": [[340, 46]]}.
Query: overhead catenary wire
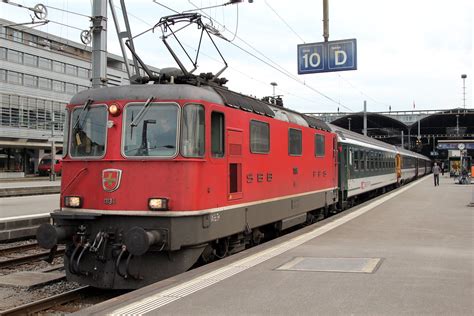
{"points": [[360, 91], [294, 32], [275, 65], [210, 57], [67, 11], [66, 25], [283, 20]]}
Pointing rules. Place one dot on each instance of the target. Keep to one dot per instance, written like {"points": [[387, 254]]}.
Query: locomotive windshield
{"points": [[88, 131], [151, 132]]}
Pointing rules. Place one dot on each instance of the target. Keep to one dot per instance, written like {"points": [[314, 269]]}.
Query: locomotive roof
{"points": [[207, 93]]}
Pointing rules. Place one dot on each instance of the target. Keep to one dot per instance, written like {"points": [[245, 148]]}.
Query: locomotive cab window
{"points": [[150, 130], [217, 134], [319, 143], [66, 134], [295, 141], [89, 127], [259, 137], [192, 131]]}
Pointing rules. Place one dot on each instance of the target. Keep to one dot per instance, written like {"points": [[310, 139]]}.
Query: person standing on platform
{"points": [[442, 169], [436, 171]]}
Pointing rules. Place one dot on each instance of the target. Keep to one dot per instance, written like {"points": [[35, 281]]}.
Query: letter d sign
{"points": [[340, 57]]}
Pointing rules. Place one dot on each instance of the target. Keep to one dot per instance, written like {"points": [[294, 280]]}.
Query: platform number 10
{"points": [[313, 60]]}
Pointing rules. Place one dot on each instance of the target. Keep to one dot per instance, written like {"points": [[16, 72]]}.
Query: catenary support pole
{"points": [[99, 43], [326, 20]]}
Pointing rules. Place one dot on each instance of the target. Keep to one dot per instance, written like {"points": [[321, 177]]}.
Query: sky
{"points": [[410, 53]]}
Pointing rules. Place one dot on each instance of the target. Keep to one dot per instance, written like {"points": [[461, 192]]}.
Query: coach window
{"points": [[356, 159], [319, 144], [295, 141], [217, 134], [192, 131], [363, 161], [259, 137]]}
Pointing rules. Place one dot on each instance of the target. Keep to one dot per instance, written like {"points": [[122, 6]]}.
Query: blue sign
{"points": [[327, 56], [454, 146]]}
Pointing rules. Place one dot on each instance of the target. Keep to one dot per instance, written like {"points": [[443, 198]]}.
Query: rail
{"points": [[29, 258], [47, 303]]}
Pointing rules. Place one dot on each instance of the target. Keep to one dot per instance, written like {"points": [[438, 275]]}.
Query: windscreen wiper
{"points": [[135, 122], [84, 108]]}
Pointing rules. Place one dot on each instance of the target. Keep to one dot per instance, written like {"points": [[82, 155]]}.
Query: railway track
{"points": [[17, 248], [41, 255], [48, 303]]}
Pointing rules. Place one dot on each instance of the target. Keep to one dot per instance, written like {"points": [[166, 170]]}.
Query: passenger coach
{"points": [[366, 165]]}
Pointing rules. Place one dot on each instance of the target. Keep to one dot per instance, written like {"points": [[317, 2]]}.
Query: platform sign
{"points": [[327, 56]]}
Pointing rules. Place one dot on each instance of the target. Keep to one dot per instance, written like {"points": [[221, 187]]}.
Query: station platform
{"points": [[25, 203], [29, 186], [409, 251]]}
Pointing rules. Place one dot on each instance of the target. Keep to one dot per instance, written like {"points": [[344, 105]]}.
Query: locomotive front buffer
{"points": [[100, 251]]}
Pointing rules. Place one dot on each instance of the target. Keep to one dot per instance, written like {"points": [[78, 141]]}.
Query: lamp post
{"points": [[463, 77], [274, 84]]}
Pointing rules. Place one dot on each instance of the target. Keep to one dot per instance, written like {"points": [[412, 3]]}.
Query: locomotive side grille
{"points": [[235, 149], [245, 103]]}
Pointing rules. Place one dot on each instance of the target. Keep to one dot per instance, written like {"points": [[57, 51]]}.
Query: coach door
{"points": [[398, 166], [234, 183]]}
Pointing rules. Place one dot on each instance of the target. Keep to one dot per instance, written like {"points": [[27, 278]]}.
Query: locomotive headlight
{"points": [[72, 201], [158, 204], [114, 110]]}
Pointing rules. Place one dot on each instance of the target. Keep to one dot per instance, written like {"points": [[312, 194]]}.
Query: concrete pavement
{"points": [[423, 236]]}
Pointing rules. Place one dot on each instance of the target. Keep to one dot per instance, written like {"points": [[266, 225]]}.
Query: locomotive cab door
{"points": [[235, 139]]}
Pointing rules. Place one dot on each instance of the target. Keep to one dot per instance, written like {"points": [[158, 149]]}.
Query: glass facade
{"points": [[38, 76]]}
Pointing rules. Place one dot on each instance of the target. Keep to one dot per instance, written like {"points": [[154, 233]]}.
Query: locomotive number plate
{"points": [[109, 201]]}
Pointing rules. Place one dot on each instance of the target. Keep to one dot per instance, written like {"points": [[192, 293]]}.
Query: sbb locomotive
{"points": [[158, 176]]}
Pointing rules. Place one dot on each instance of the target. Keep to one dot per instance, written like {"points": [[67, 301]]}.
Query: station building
{"points": [[39, 73]]}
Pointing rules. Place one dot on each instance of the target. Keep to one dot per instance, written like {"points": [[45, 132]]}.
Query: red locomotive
{"points": [[155, 176]]}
